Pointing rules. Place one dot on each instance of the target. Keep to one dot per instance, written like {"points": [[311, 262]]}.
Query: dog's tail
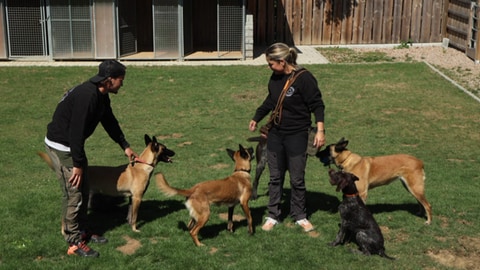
{"points": [[163, 185], [47, 159], [384, 255]]}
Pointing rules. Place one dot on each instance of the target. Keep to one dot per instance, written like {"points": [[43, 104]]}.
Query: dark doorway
{"points": [[144, 25]]}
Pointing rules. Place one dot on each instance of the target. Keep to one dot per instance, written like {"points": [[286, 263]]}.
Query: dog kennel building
{"points": [[122, 29]]}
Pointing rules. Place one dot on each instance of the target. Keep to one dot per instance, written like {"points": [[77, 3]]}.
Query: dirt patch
{"points": [[173, 135], [466, 255], [130, 247], [220, 166], [184, 144], [314, 234]]}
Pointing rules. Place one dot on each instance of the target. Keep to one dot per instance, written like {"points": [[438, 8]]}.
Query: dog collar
{"points": [[242, 170], [340, 162], [350, 195], [137, 160]]}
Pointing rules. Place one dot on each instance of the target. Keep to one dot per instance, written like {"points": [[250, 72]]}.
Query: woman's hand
{"points": [[252, 126], [319, 139], [320, 136]]}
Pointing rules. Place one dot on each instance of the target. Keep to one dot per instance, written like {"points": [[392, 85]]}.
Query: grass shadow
{"points": [[412, 208], [316, 201], [108, 216], [210, 231]]}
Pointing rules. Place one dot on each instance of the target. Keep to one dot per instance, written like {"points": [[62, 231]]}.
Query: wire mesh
{"points": [[25, 28], [166, 28], [230, 25]]}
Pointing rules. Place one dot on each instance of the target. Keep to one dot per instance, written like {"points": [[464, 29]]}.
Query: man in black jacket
{"points": [[77, 115]]}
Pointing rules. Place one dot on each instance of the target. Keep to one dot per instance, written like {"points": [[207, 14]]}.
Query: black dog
{"points": [[357, 223], [261, 153]]}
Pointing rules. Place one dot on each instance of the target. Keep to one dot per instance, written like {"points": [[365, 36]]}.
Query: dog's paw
{"points": [[333, 244]]}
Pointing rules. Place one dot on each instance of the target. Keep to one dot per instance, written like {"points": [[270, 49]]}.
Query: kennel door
{"points": [[127, 27], [71, 29], [167, 26], [26, 29], [231, 34]]}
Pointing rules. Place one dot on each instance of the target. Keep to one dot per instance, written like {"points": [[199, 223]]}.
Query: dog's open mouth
{"points": [[166, 159]]}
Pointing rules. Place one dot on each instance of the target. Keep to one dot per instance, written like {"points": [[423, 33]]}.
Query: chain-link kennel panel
{"points": [[231, 21], [71, 24], [166, 28], [26, 27]]}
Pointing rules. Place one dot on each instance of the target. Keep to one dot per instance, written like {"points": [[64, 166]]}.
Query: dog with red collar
{"points": [[357, 222], [130, 180]]}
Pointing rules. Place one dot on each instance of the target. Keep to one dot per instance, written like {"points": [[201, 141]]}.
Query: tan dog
{"points": [[377, 171], [230, 191], [129, 180]]}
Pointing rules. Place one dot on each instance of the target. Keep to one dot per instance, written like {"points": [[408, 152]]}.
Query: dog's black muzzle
{"points": [[166, 155], [325, 157]]}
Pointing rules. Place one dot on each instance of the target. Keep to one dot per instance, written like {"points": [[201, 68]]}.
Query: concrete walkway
{"points": [[306, 55]]}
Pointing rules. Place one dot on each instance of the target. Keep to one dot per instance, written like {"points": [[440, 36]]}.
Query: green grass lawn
{"points": [[199, 112]]}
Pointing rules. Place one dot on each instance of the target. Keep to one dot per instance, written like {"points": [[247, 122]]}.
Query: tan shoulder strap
{"points": [[277, 113]]}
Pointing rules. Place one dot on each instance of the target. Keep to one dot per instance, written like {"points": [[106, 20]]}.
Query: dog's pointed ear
{"points": [[243, 152], [155, 146], [341, 145], [231, 153], [147, 139], [251, 153]]}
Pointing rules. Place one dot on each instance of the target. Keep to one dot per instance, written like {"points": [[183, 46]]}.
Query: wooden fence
{"points": [[335, 22], [457, 23], [461, 26]]}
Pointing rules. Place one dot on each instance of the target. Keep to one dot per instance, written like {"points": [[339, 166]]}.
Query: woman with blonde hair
{"points": [[293, 95]]}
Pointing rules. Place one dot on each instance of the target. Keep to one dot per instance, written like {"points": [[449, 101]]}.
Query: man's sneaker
{"points": [[305, 224], [81, 249], [94, 238], [269, 224]]}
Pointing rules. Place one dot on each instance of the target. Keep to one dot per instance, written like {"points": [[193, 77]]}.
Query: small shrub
{"points": [[405, 44]]}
